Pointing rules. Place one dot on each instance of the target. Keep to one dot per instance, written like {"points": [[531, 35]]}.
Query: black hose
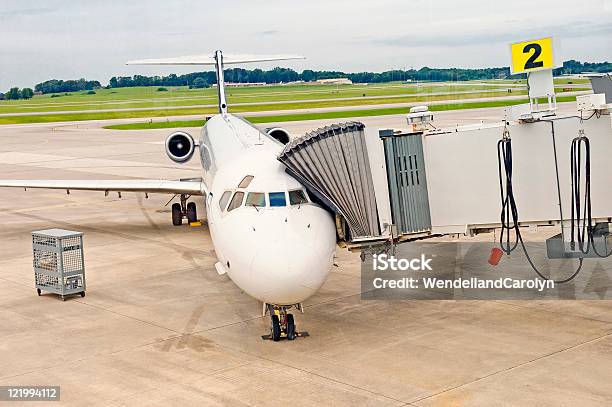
{"points": [[583, 230], [509, 211]]}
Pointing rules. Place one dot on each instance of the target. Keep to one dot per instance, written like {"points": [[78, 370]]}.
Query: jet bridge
{"points": [[374, 183], [387, 185], [334, 164]]}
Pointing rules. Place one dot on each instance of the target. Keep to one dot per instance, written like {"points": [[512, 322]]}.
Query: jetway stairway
{"points": [[386, 186]]}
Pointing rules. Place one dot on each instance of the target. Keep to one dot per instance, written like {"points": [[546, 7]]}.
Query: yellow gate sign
{"points": [[529, 56]]}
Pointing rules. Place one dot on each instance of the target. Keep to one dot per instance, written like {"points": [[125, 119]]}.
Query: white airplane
{"points": [[272, 240]]}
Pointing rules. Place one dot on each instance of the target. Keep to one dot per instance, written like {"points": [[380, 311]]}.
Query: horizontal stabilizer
{"points": [[210, 60], [134, 185]]}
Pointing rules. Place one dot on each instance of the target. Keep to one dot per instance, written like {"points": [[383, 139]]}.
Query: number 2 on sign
{"points": [[532, 55]]}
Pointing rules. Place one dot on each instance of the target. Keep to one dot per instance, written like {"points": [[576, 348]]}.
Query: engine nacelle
{"points": [[278, 134], [180, 146]]}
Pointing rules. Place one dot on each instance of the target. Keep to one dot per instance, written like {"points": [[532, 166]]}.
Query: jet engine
{"points": [[278, 134], [180, 146]]}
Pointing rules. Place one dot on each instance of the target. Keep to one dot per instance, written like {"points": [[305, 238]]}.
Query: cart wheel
{"points": [[82, 294], [38, 291]]}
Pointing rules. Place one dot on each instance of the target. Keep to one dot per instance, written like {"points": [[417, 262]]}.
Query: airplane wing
{"points": [[188, 187]]}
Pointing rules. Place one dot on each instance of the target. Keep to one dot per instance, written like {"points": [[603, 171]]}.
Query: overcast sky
{"points": [[64, 39]]}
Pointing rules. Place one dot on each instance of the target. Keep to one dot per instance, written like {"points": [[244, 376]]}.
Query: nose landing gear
{"points": [[282, 323]]}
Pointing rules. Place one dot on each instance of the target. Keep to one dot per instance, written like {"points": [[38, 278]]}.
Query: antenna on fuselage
{"points": [[219, 62]]}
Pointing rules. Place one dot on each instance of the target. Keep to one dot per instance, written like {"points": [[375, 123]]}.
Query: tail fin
{"points": [[210, 60], [218, 60]]}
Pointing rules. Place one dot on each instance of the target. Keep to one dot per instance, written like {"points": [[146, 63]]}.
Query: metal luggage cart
{"points": [[58, 262]]}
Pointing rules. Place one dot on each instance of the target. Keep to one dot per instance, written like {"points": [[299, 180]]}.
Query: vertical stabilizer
{"points": [[219, 62]]}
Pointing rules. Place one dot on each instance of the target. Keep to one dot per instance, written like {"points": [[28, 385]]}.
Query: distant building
{"points": [[38, 93], [241, 84], [1, 96], [335, 81]]}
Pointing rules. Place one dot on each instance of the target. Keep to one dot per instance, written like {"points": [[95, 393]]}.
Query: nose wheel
{"points": [[282, 323]]}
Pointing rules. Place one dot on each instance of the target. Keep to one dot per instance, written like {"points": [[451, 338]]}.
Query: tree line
{"points": [[16, 93], [60, 86], [284, 75]]}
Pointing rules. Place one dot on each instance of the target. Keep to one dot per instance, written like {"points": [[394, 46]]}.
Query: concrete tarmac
{"points": [[159, 326]]}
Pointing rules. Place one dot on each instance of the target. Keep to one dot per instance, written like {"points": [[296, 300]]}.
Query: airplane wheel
{"points": [[276, 330], [82, 294], [177, 216], [290, 327], [192, 214], [38, 291]]}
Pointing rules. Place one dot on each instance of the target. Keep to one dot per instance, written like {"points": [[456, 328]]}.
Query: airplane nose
{"points": [[297, 260]]}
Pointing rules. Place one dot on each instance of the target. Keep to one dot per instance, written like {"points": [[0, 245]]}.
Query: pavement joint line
{"points": [[280, 362], [128, 316], [107, 232], [186, 269], [65, 158], [518, 366], [148, 165], [111, 311], [564, 312], [23, 286], [44, 368], [171, 338]]}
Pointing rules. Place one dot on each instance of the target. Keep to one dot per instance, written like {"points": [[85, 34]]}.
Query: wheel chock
{"points": [[302, 334]]}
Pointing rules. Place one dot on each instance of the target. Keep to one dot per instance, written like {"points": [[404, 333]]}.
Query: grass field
{"points": [[146, 102], [324, 115]]}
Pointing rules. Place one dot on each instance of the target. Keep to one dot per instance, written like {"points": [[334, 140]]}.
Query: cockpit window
{"points": [[297, 197], [256, 199], [236, 201], [245, 181], [277, 199], [224, 199]]}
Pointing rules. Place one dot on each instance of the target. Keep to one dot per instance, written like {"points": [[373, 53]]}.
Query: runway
{"points": [[160, 327]]}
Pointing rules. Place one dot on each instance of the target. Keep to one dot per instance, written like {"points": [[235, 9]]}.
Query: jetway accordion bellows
{"points": [[333, 162]]}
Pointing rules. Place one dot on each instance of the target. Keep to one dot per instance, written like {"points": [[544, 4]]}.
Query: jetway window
{"points": [[256, 199], [408, 170], [236, 201], [277, 199], [224, 199], [297, 197], [245, 181]]}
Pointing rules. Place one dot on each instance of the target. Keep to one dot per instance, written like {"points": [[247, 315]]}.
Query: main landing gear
{"points": [[184, 210], [282, 324]]}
